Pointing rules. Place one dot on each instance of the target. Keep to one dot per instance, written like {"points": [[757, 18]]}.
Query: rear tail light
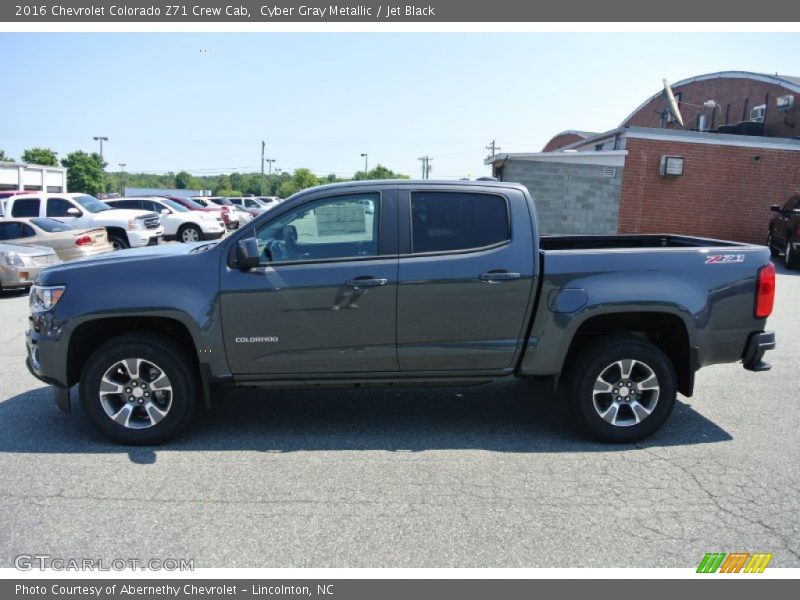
{"points": [[765, 292], [83, 240]]}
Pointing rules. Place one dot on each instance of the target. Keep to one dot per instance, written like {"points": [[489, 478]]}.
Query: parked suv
{"points": [[179, 222], [784, 232], [125, 228]]}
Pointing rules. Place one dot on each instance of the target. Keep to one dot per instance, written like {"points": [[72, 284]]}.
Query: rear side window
{"points": [[51, 225], [58, 207], [451, 221], [9, 230], [26, 207]]}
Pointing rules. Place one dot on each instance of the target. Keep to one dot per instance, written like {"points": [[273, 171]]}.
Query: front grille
{"points": [[152, 221], [43, 260]]}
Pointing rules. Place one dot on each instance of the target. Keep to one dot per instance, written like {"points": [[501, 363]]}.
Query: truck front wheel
{"points": [[622, 389], [139, 389]]}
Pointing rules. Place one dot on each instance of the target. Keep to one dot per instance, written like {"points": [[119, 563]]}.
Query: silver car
{"points": [[19, 265]]}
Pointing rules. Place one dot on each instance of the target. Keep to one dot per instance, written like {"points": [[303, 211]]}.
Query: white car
{"points": [[255, 205], [125, 228], [244, 216], [179, 222], [228, 214]]}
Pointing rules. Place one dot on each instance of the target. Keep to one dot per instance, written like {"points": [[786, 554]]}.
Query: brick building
{"points": [[650, 176]]}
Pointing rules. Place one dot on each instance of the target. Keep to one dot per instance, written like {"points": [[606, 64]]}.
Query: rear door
{"points": [[323, 302], [466, 278]]}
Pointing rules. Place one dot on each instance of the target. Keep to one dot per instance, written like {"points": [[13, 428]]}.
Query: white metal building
{"points": [[36, 178]]}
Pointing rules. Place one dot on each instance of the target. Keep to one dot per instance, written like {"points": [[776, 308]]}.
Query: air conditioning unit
{"points": [[671, 166], [757, 113]]}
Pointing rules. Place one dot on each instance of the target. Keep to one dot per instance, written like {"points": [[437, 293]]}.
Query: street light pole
{"points": [[366, 165], [269, 177], [101, 139], [122, 178]]}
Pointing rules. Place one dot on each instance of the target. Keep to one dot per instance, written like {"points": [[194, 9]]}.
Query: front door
{"points": [[324, 299], [466, 280]]}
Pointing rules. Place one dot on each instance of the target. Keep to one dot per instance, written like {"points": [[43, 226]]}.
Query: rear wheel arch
{"points": [[667, 331]]}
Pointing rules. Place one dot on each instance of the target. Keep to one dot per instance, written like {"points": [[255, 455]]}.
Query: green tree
{"points": [[304, 178], [183, 180], [4, 157], [84, 172], [223, 186], [379, 172], [40, 156]]}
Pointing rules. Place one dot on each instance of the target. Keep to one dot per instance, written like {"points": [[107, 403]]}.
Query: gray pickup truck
{"points": [[388, 283]]}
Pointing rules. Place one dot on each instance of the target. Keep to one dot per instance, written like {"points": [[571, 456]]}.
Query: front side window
{"points": [[59, 207], [26, 207], [341, 227], [452, 221]]}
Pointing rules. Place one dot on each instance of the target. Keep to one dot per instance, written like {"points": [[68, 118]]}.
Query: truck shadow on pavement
{"points": [[508, 416]]}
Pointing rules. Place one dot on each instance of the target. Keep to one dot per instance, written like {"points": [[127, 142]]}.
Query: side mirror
{"points": [[73, 212], [165, 211], [247, 254]]}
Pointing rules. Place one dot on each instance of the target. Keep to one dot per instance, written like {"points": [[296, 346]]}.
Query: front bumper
{"points": [[757, 345], [146, 237], [18, 277]]}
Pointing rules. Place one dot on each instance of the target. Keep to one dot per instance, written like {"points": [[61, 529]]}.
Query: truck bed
{"points": [[610, 242]]}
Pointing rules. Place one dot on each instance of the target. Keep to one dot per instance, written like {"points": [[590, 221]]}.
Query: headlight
{"points": [[13, 259], [44, 298], [136, 224]]}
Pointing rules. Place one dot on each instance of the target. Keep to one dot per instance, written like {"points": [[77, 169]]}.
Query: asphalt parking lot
{"points": [[491, 476]]}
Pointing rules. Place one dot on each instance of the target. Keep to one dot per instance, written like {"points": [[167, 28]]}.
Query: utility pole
{"points": [[122, 177], [366, 165], [262, 166], [493, 148], [100, 139], [269, 177], [426, 166]]}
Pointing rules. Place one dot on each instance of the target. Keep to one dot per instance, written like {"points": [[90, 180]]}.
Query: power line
{"points": [[426, 166]]}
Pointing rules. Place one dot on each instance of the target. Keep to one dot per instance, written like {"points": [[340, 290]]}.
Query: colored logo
{"points": [[736, 562]]}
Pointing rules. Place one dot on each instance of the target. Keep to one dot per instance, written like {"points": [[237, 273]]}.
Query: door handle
{"points": [[366, 282], [498, 276]]}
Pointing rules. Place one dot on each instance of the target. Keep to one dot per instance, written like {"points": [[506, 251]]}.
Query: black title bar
{"points": [[464, 11]]}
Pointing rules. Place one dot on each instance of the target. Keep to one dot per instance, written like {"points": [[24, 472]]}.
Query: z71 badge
{"points": [[719, 259]]}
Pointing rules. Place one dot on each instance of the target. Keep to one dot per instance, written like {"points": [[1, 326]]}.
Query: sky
{"points": [[203, 102]]}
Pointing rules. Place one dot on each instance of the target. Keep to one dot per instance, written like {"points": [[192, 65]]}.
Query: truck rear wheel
{"points": [[622, 389], [139, 389]]}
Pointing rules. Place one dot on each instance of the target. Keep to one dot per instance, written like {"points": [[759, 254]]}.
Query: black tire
{"points": [[598, 359], [170, 359], [188, 230], [118, 241], [791, 259], [773, 251]]}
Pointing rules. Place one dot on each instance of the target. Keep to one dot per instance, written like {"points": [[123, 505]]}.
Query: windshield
{"points": [[201, 202], [92, 204], [50, 225], [174, 205]]}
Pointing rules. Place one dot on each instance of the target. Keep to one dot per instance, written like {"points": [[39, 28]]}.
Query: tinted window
{"points": [[151, 205], [50, 225], [26, 231], [136, 204], [58, 207], [339, 227], [9, 230], [25, 208], [446, 221]]}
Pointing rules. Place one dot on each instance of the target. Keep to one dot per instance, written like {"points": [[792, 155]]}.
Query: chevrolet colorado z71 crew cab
{"points": [[399, 283]]}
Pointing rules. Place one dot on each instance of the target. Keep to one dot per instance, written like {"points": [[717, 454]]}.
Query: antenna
{"points": [[672, 105]]}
